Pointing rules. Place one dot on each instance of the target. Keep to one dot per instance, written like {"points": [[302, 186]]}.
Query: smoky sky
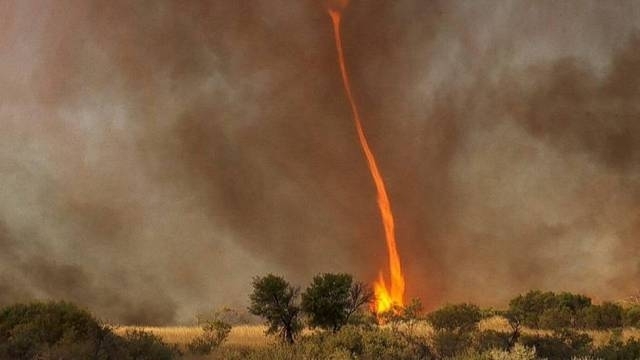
{"points": [[155, 155]]}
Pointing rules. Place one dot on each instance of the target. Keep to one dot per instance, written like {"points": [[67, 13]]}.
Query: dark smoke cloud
{"points": [[156, 155]]}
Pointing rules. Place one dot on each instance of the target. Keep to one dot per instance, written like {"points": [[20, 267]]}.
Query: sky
{"points": [[156, 155]]}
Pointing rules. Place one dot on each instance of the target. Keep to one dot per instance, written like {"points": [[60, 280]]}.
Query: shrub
{"points": [[454, 325], [556, 318], [547, 310], [141, 345], [601, 317], [563, 344], [215, 332], [519, 352], [527, 309], [632, 316], [492, 340], [39, 329], [617, 350], [447, 343], [60, 330], [387, 344], [458, 318], [350, 342]]}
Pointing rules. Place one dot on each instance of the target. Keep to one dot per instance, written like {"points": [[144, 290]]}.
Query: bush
{"points": [[60, 330], [632, 316], [547, 310], [564, 344], [141, 345], [214, 334], [556, 318], [617, 350], [457, 318], [602, 317], [492, 340], [447, 343], [519, 352], [350, 342], [35, 330]]}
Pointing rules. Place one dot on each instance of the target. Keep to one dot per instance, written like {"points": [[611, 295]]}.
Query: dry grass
{"points": [[499, 323], [242, 335], [253, 335]]}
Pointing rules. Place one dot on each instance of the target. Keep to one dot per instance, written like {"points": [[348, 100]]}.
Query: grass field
{"points": [[254, 336], [241, 335]]}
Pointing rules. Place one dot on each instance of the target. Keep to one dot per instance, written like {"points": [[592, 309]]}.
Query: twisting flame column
{"points": [[386, 298]]}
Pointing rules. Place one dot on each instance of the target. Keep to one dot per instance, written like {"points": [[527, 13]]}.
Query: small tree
{"points": [[332, 299], [275, 300]]}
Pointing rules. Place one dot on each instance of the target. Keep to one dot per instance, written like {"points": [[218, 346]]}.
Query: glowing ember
{"points": [[386, 298]]}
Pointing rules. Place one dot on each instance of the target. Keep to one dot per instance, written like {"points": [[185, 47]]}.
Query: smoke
{"points": [[154, 156]]}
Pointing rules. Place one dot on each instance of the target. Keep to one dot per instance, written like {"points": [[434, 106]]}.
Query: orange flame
{"points": [[386, 298]]}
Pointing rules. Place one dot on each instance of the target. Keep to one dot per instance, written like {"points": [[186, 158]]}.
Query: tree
{"points": [[275, 300], [332, 299]]}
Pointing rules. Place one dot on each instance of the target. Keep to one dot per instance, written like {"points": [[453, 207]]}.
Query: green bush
{"points": [[563, 344], [556, 318], [632, 316], [361, 343], [547, 310], [60, 330], [448, 343], [141, 345], [458, 318], [602, 317], [215, 332], [618, 350], [29, 331], [492, 339], [350, 342]]}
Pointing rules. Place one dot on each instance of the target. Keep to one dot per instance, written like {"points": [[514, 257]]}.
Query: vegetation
{"points": [[275, 300], [332, 299], [215, 332], [60, 330], [536, 325], [141, 345]]}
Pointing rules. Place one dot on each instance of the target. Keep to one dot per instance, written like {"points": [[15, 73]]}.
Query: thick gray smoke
{"points": [[155, 155]]}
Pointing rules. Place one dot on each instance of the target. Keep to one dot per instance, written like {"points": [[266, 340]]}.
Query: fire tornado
{"points": [[386, 297]]}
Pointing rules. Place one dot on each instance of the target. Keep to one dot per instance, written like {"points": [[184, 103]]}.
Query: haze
{"points": [[155, 155]]}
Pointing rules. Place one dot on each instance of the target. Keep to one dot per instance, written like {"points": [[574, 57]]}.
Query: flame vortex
{"points": [[386, 298]]}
